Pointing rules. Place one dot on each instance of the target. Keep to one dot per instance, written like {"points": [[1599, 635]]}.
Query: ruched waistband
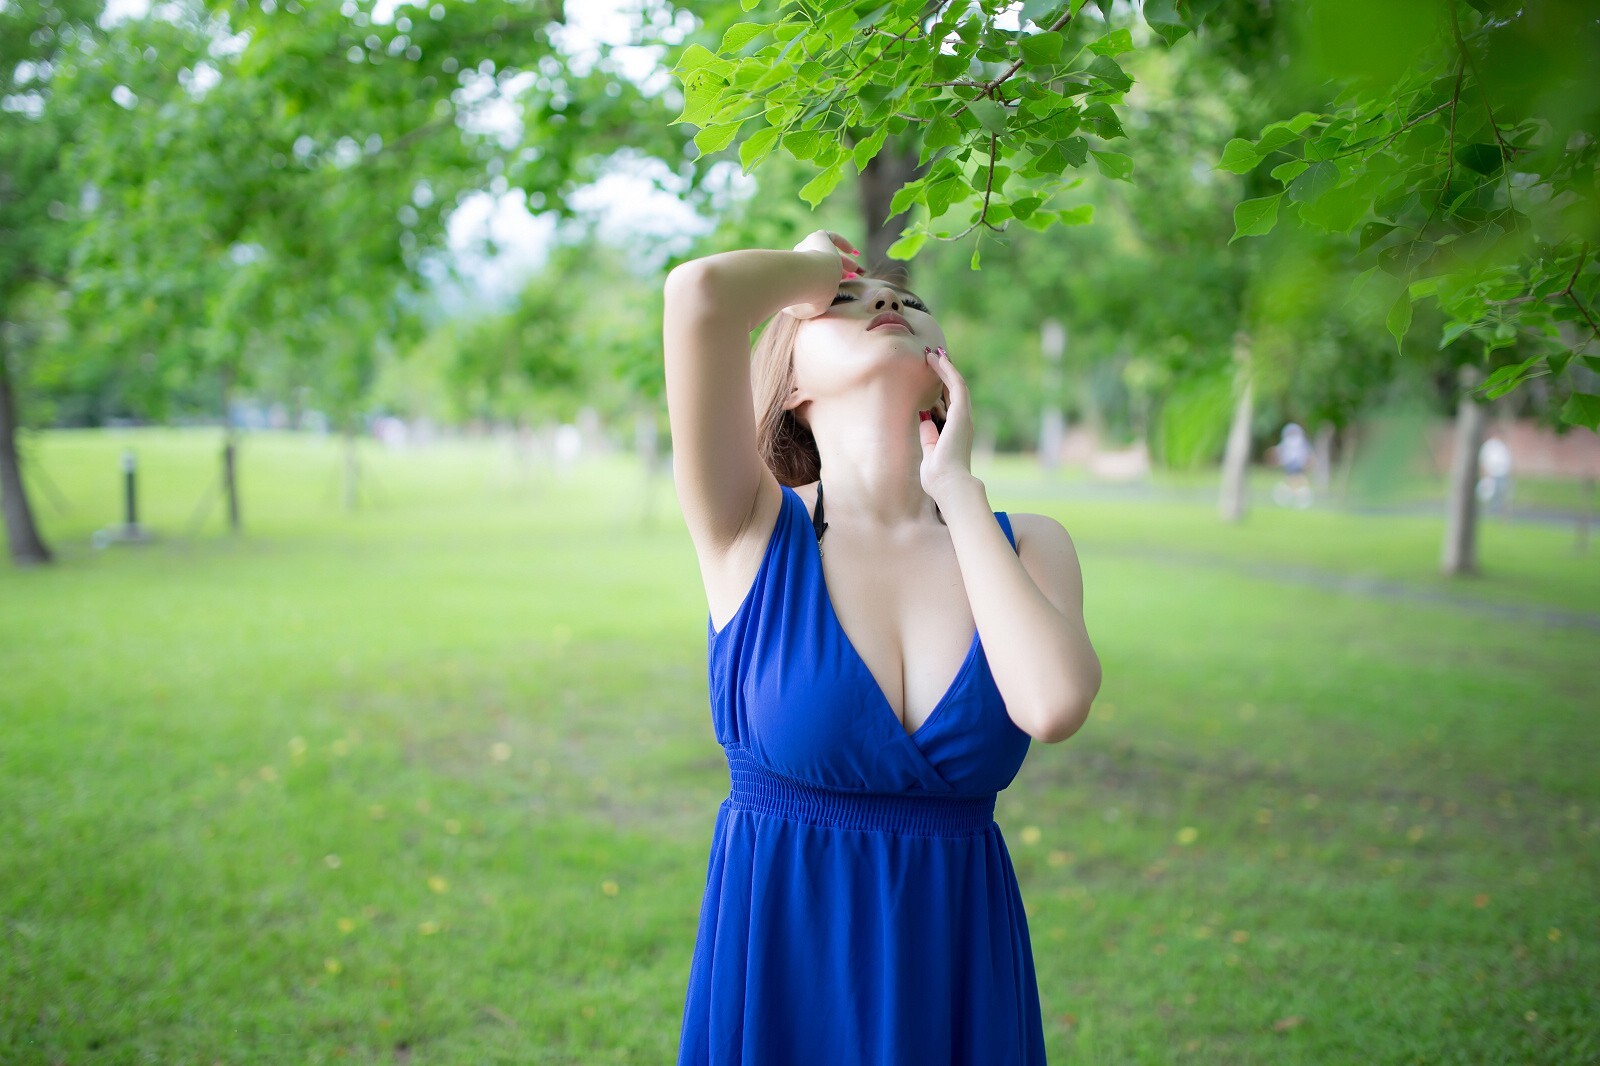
{"points": [[755, 788]]}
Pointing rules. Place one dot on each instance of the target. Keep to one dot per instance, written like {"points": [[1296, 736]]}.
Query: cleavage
{"points": [[903, 609]]}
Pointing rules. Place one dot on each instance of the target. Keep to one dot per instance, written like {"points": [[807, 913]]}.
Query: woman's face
{"points": [[875, 329]]}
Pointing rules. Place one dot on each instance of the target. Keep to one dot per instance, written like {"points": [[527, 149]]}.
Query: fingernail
{"points": [[944, 353], [924, 416]]}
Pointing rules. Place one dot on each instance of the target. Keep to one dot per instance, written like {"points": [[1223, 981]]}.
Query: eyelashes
{"points": [[906, 298]]}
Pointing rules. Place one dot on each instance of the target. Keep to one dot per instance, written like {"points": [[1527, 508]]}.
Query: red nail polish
{"points": [[924, 416]]}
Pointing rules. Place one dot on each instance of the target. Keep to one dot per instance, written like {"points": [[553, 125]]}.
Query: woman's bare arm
{"points": [[1027, 604], [711, 306]]}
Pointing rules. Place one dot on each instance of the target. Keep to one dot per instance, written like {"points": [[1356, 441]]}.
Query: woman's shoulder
{"points": [[1040, 533]]}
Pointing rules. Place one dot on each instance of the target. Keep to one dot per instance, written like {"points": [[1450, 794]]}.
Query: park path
{"points": [[1353, 584]]}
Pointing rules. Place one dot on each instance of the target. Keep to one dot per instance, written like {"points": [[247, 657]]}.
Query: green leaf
{"points": [[1042, 49], [1109, 71], [1287, 172], [944, 192], [1452, 332], [948, 66], [1373, 232], [1507, 378], [715, 138], [990, 115], [1081, 215], [758, 146], [1103, 120], [864, 150], [748, 5], [1238, 157], [942, 133], [1254, 218], [1275, 135], [975, 257], [1114, 165], [802, 144], [1582, 409], [908, 194], [739, 35], [1163, 17], [817, 189], [693, 58], [906, 246], [1317, 180], [1114, 43], [1025, 206], [1075, 150], [1399, 318]]}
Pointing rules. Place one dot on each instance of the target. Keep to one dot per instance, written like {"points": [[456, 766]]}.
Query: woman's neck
{"points": [[872, 469]]}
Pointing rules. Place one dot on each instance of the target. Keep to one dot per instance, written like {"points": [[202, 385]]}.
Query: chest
{"points": [[902, 610]]}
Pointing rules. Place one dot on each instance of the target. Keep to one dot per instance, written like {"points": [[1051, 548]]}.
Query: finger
{"points": [[927, 432], [842, 242], [953, 381]]}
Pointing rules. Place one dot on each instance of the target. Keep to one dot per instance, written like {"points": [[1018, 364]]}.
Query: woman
{"points": [[881, 655]]}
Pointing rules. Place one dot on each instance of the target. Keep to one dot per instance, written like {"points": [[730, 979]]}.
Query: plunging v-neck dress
{"points": [[860, 906]]}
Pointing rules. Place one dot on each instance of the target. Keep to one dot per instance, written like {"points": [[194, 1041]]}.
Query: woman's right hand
{"points": [[837, 250]]}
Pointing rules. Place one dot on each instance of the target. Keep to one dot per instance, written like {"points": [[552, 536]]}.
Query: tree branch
{"points": [[988, 190], [1450, 146], [1573, 296], [988, 88], [1506, 151]]}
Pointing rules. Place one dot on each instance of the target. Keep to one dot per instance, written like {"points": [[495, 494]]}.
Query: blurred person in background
{"points": [[1494, 469], [1294, 455]]}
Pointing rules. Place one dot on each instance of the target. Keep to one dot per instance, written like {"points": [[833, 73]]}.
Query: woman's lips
{"points": [[888, 318]]}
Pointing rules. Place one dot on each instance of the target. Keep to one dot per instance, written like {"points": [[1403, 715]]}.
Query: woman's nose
{"points": [[886, 298]]}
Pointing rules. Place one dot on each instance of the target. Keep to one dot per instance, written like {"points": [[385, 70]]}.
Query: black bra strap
{"points": [[816, 517]]}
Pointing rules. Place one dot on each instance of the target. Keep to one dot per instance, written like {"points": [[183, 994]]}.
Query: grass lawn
{"points": [[433, 782]]}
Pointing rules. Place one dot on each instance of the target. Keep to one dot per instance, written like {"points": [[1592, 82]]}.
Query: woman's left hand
{"points": [[947, 453]]}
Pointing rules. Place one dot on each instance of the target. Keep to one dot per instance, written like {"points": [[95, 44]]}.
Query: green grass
{"points": [[434, 781]]}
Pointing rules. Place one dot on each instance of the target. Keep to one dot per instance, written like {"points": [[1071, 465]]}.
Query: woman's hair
{"points": [[783, 441]]}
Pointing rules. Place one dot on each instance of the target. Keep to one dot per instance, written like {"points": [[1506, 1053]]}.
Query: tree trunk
{"points": [[230, 478], [885, 174], [1236, 456], [230, 453], [22, 535], [1347, 459], [1322, 459], [1460, 554]]}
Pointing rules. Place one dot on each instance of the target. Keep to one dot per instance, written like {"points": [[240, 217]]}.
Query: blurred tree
{"points": [[1417, 121], [35, 125], [1457, 143], [265, 182]]}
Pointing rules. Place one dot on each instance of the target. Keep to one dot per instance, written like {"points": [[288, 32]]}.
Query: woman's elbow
{"points": [[687, 283], [1064, 712]]}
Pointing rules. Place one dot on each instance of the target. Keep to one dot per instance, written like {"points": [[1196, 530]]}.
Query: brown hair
{"points": [[783, 441]]}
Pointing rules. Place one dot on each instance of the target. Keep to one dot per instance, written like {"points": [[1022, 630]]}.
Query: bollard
{"points": [[129, 531], [130, 466]]}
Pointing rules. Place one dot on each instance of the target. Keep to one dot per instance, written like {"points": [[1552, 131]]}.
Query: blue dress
{"points": [[860, 905]]}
